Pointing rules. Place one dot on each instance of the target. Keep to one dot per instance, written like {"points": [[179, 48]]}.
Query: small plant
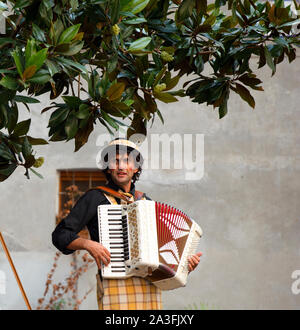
{"points": [[64, 294]]}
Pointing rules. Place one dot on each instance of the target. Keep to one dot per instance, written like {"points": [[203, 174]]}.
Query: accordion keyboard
{"points": [[114, 236]]}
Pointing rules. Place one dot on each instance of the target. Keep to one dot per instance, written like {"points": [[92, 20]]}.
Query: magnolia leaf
{"points": [[37, 59], [68, 34], [29, 72], [9, 82], [71, 126], [139, 44], [22, 127], [269, 60], [18, 61], [165, 97], [25, 99], [115, 91], [134, 6], [245, 94], [36, 173], [36, 141]]}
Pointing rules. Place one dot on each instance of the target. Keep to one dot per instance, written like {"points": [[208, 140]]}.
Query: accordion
{"points": [[148, 239]]}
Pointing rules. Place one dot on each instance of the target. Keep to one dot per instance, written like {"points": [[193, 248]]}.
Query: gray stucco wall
{"points": [[247, 202]]}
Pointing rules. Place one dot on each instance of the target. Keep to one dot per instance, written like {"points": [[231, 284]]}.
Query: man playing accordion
{"points": [[123, 168]]}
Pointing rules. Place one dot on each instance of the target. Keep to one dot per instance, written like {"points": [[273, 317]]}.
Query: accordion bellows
{"points": [[148, 239]]}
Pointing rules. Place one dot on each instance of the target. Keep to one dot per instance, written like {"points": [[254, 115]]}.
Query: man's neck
{"points": [[126, 187]]}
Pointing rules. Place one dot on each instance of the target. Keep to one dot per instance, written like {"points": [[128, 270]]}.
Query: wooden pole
{"points": [[14, 271]]}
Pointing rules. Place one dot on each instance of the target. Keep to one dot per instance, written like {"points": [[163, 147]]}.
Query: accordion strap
{"points": [[138, 194]]}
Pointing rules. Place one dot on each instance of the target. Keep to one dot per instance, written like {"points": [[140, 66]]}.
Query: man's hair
{"points": [[119, 149]]}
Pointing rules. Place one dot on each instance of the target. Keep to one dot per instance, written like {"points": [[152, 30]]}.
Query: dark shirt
{"points": [[84, 213]]}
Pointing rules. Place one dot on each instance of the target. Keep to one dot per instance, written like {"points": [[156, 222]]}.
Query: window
{"points": [[73, 183]]}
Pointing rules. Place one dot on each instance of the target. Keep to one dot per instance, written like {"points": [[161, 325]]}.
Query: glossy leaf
{"points": [[68, 34]]}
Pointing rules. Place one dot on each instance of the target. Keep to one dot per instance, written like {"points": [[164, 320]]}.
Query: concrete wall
{"points": [[247, 202]]}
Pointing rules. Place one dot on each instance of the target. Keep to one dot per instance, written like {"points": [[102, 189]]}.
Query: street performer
{"points": [[123, 167]]}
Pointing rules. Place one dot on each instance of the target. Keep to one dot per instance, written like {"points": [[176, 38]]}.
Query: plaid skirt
{"points": [[133, 293]]}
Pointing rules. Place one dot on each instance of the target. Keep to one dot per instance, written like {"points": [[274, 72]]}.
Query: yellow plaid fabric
{"points": [[133, 293]]}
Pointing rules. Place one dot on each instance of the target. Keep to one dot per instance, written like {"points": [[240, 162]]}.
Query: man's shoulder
{"points": [[95, 194]]}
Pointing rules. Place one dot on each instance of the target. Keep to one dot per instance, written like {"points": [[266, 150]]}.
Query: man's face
{"points": [[122, 168]]}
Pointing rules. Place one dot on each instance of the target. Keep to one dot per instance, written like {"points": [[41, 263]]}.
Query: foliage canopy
{"points": [[130, 53]]}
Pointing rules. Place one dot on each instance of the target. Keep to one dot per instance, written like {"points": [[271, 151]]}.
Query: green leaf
{"points": [[185, 10], [115, 91], [139, 44], [12, 116], [115, 11], [83, 112], [68, 34], [52, 67], [22, 128], [133, 6], [7, 171], [71, 64], [172, 82], [72, 101], [165, 97], [269, 60], [38, 33], [36, 141], [36, 173], [71, 126], [37, 59], [245, 95], [138, 20], [6, 153], [223, 109], [109, 120], [159, 75], [22, 3], [69, 48], [29, 72], [26, 149], [297, 21], [30, 49], [160, 116], [40, 77], [17, 58], [25, 99], [9, 82], [83, 134], [58, 116]]}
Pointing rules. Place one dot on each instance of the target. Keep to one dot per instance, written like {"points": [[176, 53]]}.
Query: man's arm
{"points": [[95, 249], [65, 236]]}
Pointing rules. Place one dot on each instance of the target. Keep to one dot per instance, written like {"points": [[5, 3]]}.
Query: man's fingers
{"points": [[106, 256], [98, 263]]}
